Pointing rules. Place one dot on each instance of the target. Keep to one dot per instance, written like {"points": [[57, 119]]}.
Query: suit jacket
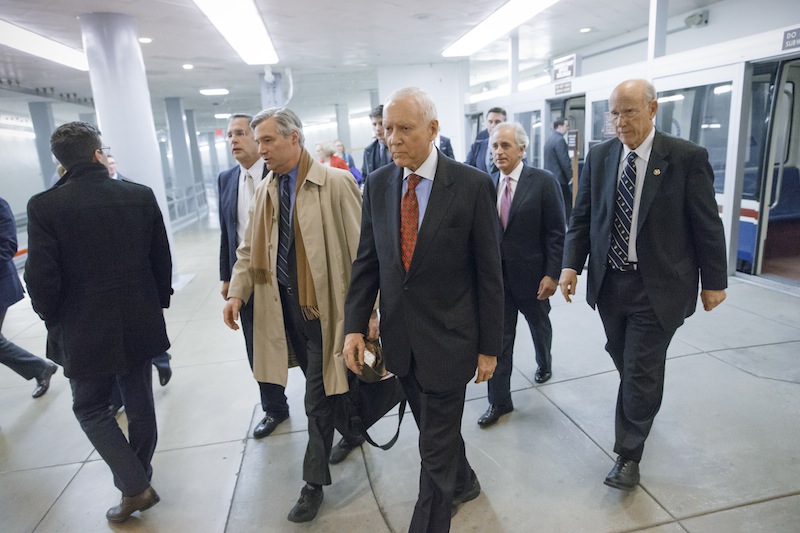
{"points": [[446, 147], [556, 158], [477, 154], [533, 242], [680, 237], [448, 307], [373, 159], [228, 186], [10, 286], [99, 272]]}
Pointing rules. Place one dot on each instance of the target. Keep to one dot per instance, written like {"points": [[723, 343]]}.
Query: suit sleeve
{"points": [[160, 256], [42, 270], [224, 246], [707, 228], [563, 158], [8, 233], [489, 271], [553, 225], [472, 155], [577, 241], [365, 276]]}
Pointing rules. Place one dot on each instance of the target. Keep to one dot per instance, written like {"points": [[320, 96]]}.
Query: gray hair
{"points": [[286, 121], [520, 137], [424, 102]]}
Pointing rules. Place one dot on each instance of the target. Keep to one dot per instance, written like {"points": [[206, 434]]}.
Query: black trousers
{"points": [[161, 362], [306, 339], [18, 359], [129, 459], [273, 396], [638, 346], [444, 469], [537, 314]]}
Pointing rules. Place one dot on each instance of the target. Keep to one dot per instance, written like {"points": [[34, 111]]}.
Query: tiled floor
{"points": [[724, 454]]}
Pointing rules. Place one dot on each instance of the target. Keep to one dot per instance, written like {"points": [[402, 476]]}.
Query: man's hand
{"points": [[374, 330], [486, 366], [711, 299], [224, 290], [568, 282], [547, 288], [354, 352], [230, 313]]}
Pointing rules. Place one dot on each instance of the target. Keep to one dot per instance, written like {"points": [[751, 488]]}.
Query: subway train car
{"points": [[740, 100]]}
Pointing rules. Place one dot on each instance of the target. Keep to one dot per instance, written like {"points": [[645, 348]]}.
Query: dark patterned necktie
{"points": [[623, 214], [284, 231], [409, 220]]}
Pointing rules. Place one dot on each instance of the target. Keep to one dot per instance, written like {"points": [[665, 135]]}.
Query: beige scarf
{"points": [[260, 245]]}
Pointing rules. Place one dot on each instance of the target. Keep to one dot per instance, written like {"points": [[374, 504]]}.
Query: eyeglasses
{"points": [[237, 133], [105, 149]]}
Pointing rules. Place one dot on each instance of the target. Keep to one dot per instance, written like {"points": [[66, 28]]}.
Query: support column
{"points": [[211, 141], [197, 161], [657, 30], [43, 126], [122, 101], [513, 61], [183, 180], [343, 124]]}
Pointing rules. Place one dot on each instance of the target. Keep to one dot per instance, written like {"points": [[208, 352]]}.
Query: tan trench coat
{"points": [[328, 209]]}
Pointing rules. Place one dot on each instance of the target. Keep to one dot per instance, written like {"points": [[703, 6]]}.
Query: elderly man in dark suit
{"points": [[99, 273], [236, 189], [532, 226], [429, 244], [17, 359], [646, 216], [557, 161]]}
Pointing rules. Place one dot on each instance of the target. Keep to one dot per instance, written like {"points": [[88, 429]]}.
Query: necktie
{"points": [[505, 201], [384, 155], [623, 214], [409, 220], [284, 231], [249, 185]]}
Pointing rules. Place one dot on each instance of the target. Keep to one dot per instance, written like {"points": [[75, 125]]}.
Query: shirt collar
{"points": [[257, 170], [427, 169], [516, 173]]}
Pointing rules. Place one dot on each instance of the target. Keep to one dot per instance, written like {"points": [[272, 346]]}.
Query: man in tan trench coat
{"points": [[295, 262]]}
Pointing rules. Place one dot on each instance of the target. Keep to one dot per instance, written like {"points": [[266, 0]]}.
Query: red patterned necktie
{"points": [[409, 220]]}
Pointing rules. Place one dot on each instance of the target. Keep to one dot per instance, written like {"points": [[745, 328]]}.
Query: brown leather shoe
{"points": [[130, 504], [43, 380]]}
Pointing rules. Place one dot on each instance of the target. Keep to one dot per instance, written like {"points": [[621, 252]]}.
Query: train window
{"points": [[602, 127], [699, 114]]}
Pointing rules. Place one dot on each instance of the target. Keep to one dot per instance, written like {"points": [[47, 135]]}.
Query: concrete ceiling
{"points": [[332, 49]]}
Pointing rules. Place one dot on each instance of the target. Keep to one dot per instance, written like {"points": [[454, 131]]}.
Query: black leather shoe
{"points": [[164, 375], [130, 504], [542, 376], [624, 475], [493, 414], [268, 425], [471, 491], [343, 448], [43, 380], [307, 506]]}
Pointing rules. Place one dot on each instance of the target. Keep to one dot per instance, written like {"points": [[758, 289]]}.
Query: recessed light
{"points": [[585, 30], [222, 115], [188, 66], [214, 92], [145, 40]]}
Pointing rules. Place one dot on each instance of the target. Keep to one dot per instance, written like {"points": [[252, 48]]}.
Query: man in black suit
{"points": [[99, 272], [532, 226], [647, 218], [429, 244], [480, 155], [236, 189], [376, 154], [557, 161]]}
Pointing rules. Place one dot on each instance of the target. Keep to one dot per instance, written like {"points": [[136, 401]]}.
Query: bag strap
{"points": [[356, 421]]}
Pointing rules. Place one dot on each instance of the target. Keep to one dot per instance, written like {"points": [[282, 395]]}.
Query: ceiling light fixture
{"points": [[585, 30], [214, 92], [240, 24], [222, 115], [34, 44], [145, 40], [509, 16], [188, 66]]}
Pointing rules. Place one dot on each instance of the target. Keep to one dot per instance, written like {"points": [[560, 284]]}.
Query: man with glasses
{"points": [[99, 273], [647, 218]]}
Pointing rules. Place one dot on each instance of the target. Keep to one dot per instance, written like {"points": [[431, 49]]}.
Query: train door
{"points": [[574, 110], [532, 122], [770, 222]]}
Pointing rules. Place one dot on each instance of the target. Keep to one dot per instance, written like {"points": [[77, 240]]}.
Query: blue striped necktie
{"points": [[623, 214], [284, 231]]}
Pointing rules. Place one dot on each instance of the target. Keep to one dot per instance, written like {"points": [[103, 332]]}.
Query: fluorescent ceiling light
{"points": [[188, 66], [34, 44], [722, 89], [145, 40], [510, 15], [214, 92], [222, 115], [240, 24]]}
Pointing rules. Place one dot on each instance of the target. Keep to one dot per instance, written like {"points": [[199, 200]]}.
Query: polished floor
{"points": [[723, 456]]}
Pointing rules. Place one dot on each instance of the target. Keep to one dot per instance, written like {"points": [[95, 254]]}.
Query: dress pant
{"points": [[161, 362], [129, 459], [18, 359], [638, 346], [566, 192], [306, 339], [273, 396], [537, 314], [444, 470]]}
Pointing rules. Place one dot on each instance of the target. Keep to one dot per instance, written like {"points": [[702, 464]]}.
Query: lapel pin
{"points": [[657, 172]]}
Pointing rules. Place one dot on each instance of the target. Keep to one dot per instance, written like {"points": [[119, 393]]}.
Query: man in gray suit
{"points": [[647, 218]]}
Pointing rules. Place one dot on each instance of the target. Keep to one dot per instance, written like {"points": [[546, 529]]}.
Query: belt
{"points": [[626, 267]]}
